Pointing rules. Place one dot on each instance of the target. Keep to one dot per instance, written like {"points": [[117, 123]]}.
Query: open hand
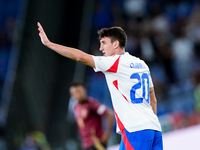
{"points": [[42, 35]]}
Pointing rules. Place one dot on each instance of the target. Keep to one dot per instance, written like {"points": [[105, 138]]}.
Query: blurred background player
{"points": [[89, 114]]}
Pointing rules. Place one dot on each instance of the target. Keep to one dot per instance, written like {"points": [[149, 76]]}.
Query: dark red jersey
{"points": [[89, 119]]}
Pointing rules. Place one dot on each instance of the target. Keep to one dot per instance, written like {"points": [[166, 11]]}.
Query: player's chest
{"points": [[82, 112]]}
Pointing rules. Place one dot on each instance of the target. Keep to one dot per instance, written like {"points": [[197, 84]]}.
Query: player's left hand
{"points": [[104, 138], [97, 143]]}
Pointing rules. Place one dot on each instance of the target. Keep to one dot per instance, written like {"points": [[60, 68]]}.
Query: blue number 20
{"points": [[141, 84]]}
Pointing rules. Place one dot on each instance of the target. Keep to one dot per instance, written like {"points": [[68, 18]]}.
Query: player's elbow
{"points": [[86, 59], [78, 57], [110, 115], [154, 102]]}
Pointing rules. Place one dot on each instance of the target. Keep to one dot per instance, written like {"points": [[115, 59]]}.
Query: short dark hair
{"points": [[77, 83], [114, 33]]}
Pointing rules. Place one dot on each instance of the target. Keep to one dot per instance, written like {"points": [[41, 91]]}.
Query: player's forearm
{"points": [[110, 119], [153, 100], [68, 52], [72, 53], [154, 107]]}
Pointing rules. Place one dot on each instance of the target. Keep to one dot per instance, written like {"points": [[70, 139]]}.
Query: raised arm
{"points": [[153, 100], [71, 53]]}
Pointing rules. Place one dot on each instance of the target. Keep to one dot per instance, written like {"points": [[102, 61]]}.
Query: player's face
{"points": [[78, 92], [107, 47]]}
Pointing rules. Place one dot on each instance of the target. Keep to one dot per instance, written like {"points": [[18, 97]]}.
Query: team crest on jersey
{"points": [[84, 113]]}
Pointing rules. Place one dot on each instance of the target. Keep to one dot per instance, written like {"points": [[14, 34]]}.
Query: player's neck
{"points": [[120, 51], [82, 101]]}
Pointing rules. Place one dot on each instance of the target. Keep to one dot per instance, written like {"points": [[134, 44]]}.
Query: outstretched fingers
{"points": [[40, 27], [42, 34]]}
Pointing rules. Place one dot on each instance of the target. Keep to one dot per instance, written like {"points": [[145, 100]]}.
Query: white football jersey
{"points": [[128, 80]]}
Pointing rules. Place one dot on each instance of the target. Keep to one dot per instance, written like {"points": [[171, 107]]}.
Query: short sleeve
{"points": [[103, 63], [150, 81], [99, 108]]}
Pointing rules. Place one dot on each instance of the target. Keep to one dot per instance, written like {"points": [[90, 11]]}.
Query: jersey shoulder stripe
{"points": [[114, 67]]}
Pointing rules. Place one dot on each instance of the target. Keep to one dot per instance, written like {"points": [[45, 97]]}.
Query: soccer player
{"points": [[89, 114], [130, 84]]}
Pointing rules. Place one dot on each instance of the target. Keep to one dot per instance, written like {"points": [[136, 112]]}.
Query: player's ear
{"points": [[116, 44]]}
